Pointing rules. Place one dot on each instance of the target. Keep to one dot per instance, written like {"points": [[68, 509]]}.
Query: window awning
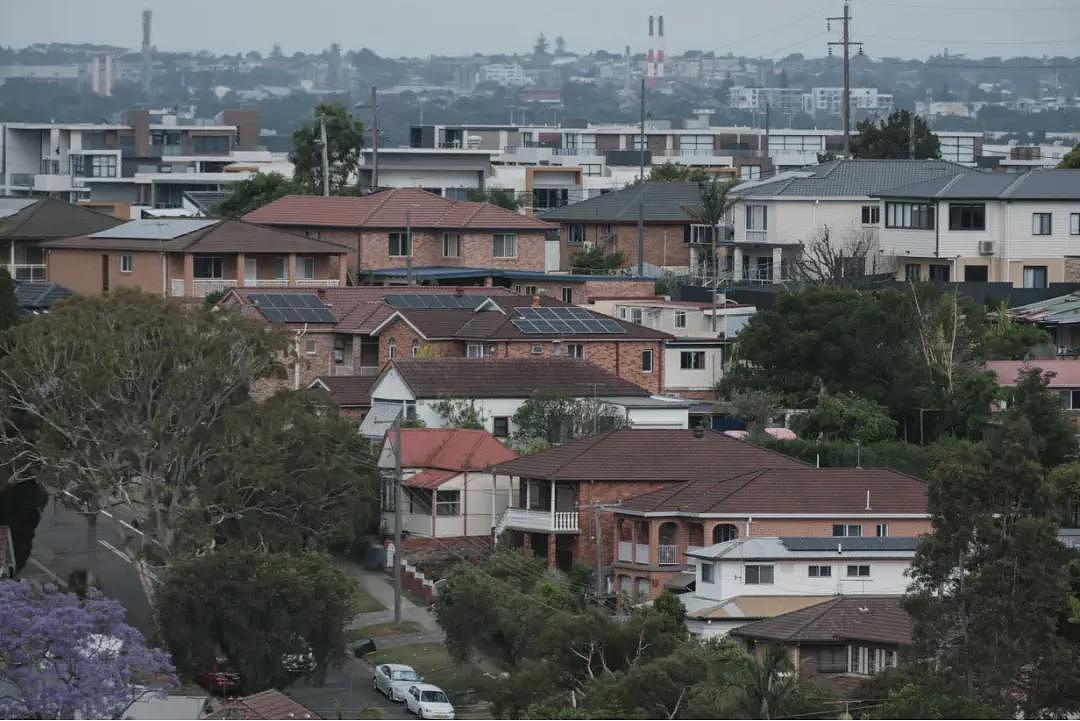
{"points": [[430, 478]]}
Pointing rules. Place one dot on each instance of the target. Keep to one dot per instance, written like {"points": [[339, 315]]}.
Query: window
{"points": [[1034, 276], [218, 144], [410, 410], [500, 426], [310, 346], [504, 245], [881, 530], [976, 273], [1070, 400], [474, 350], [967, 216], [680, 319], [699, 234], [858, 571], [912, 272], [575, 350], [415, 348], [447, 503], [749, 172], [576, 234], [391, 349], [125, 264], [871, 214], [305, 267], [103, 166], [916, 216], [207, 267], [567, 294], [646, 361], [939, 273], [636, 315], [1040, 223], [550, 197], [1074, 223], [841, 529], [830, 659], [451, 245], [757, 217], [758, 574], [537, 349], [400, 245], [706, 573], [388, 498], [692, 360], [819, 571]]}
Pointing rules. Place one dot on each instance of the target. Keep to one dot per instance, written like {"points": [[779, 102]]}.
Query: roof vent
{"points": [[867, 499]]}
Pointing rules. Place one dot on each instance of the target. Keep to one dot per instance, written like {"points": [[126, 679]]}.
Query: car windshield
{"points": [[434, 697], [408, 675]]}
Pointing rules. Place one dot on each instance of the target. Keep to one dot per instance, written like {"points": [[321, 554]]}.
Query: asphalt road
{"points": [[346, 693]]}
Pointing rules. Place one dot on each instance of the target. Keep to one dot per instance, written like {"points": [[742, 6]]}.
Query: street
{"points": [[346, 693]]}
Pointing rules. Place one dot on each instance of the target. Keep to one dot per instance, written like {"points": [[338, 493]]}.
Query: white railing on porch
{"points": [[266, 282], [176, 288], [26, 271], [669, 554], [202, 287], [524, 520], [318, 282]]}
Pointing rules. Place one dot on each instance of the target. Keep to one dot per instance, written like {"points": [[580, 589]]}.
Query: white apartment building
{"points": [[812, 568], [506, 74], [779, 100], [1020, 228], [831, 100]]}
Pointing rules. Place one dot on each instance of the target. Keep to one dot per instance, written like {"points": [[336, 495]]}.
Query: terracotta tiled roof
{"points": [[450, 449], [347, 391], [509, 378], [1066, 372], [430, 478], [799, 489], [881, 619], [649, 455], [271, 704], [387, 208]]}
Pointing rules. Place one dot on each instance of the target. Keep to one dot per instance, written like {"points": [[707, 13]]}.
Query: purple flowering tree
{"points": [[61, 656]]}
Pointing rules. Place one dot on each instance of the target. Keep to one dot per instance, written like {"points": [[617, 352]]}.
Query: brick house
{"points": [[25, 223], [369, 326], [557, 493], [377, 229], [191, 258]]}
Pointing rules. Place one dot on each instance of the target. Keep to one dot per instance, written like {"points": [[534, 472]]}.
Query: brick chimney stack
{"points": [[536, 301]]}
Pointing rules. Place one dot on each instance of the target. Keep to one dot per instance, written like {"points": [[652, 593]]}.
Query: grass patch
{"points": [[386, 629], [366, 603], [432, 661]]}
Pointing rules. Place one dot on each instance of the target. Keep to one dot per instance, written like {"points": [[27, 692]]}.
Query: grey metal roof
{"points": [[156, 229], [1063, 310], [664, 202], [11, 206], [853, 178], [1048, 184], [765, 547], [205, 200]]}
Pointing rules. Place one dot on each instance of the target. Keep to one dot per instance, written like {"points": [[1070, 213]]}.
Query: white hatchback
{"points": [[394, 680], [429, 702]]}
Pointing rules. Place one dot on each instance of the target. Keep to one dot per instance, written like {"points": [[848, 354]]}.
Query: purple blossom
{"points": [[61, 656]]}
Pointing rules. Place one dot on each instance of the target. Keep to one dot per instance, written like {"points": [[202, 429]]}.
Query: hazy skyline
{"points": [[418, 28]]}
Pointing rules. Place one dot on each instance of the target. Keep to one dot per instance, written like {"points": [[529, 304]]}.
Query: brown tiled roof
{"points": [[348, 391], [509, 378], [799, 489], [387, 208], [657, 455], [225, 236], [271, 704], [51, 218], [755, 606], [880, 619]]}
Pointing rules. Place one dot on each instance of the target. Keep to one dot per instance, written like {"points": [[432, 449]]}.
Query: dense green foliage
{"points": [[460, 413], [502, 197], [846, 417], [891, 138], [255, 609], [557, 418], [676, 172], [1071, 159], [344, 140], [255, 192], [1005, 339], [594, 261]]}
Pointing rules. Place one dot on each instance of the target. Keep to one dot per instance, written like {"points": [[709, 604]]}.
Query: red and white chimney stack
{"points": [[659, 72], [650, 60]]}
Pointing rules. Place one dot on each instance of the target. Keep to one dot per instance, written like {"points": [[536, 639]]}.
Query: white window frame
{"points": [[310, 347], [757, 217], [391, 349], [567, 294], [575, 350], [537, 349], [1029, 275], [882, 530], [449, 507], [1074, 223], [858, 568], [305, 267], [679, 318], [758, 568], [504, 245], [815, 570], [453, 239], [415, 348], [127, 263], [637, 315], [707, 570], [476, 351], [646, 361], [847, 528], [575, 234]]}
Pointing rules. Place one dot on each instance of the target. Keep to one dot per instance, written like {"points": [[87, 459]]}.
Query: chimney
{"points": [[536, 301], [699, 432]]}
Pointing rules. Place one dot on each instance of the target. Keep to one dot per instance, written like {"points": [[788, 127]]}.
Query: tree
{"points": [[257, 610], [1006, 339], [595, 261], [540, 47], [1032, 400], [768, 684], [891, 138], [560, 45], [756, 408], [1071, 158], [255, 192], [502, 197], [675, 172], [64, 657], [9, 305], [559, 418], [715, 207], [837, 262], [460, 413], [847, 417], [344, 139]]}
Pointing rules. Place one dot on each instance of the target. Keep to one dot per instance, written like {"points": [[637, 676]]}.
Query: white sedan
{"points": [[394, 680], [429, 702]]}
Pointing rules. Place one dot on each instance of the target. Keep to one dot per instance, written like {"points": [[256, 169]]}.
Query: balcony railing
{"points": [[669, 555], [756, 236], [266, 282], [317, 282], [27, 271], [523, 520], [200, 287]]}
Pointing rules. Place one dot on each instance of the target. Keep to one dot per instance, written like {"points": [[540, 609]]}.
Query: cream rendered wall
{"points": [[790, 578]]}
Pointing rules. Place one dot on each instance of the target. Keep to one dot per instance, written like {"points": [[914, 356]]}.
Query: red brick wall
{"points": [[623, 358], [403, 335], [475, 250], [663, 243], [618, 288]]}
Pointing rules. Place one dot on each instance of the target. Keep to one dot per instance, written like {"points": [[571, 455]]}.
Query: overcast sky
{"points": [[772, 28]]}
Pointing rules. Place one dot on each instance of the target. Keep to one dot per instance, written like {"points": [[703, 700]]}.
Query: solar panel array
{"points": [[292, 307], [562, 321], [851, 543], [160, 229], [435, 301]]}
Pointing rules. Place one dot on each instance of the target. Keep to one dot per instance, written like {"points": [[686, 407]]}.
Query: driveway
{"points": [[346, 693]]}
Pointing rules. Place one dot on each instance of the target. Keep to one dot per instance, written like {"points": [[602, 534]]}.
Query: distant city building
{"points": [[506, 74], [101, 74]]}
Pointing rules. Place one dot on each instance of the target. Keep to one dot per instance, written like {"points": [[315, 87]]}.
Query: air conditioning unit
{"points": [[986, 247]]}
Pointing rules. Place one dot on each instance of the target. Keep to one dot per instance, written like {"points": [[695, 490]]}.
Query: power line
{"points": [[974, 42], [974, 8], [975, 66]]}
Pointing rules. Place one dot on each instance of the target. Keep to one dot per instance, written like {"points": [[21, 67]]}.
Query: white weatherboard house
{"points": [[1019, 228], [497, 388], [750, 578]]}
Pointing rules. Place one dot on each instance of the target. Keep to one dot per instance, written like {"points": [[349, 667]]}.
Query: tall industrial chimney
{"points": [[146, 59], [650, 59], [660, 47]]}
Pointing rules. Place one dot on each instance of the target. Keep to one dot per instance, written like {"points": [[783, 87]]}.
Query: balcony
{"points": [[668, 555], [317, 282], [520, 519], [756, 236], [200, 287], [26, 271], [22, 179]]}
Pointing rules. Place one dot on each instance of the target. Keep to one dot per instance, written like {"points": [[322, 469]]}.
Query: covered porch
{"points": [[663, 542], [195, 275]]}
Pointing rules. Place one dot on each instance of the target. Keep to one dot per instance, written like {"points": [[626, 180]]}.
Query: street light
{"points": [[373, 106]]}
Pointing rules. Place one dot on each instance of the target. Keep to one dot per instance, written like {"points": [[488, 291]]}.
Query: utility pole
{"points": [[846, 43], [408, 247], [375, 138], [325, 157], [911, 137], [641, 193], [397, 518], [599, 555]]}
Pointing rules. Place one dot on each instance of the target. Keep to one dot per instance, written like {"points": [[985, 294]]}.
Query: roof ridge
{"points": [[201, 233], [378, 205], [753, 476], [35, 209], [1009, 189]]}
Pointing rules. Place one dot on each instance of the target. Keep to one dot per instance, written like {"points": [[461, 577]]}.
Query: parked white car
{"points": [[429, 702], [394, 680]]}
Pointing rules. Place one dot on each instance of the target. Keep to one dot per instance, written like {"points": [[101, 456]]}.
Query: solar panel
{"points": [[560, 312], [851, 543], [151, 229], [435, 301], [293, 307], [562, 321]]}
